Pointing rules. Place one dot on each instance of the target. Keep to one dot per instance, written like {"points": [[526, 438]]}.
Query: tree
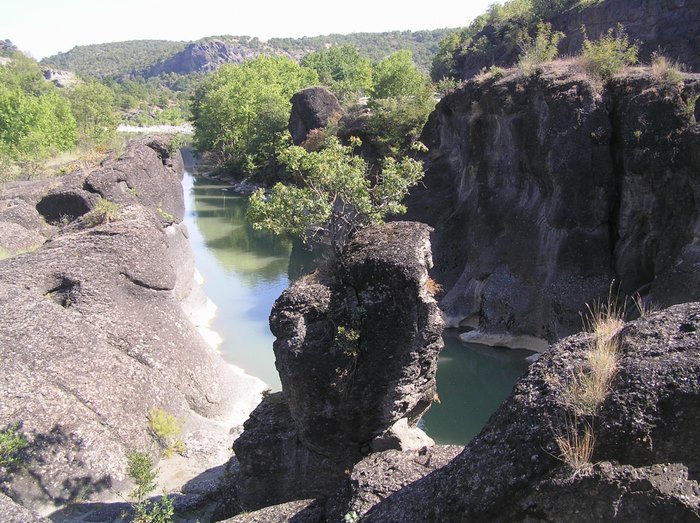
{"points": [[334, 194], [397, 75], [94, 108], [241, 112], [343, 69]]}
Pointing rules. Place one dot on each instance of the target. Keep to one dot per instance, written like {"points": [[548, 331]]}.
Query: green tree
{"points": [[240, 113], [539, 50], [334, 194], [343, 69], [397, 75], [94, 108]]}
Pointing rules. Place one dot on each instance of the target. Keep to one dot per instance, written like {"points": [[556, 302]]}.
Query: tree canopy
{"points": [[397, 75], [241, 112], [343, 69]]}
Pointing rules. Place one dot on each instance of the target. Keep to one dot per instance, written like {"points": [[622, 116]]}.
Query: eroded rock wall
{"points": [[543, 190]]}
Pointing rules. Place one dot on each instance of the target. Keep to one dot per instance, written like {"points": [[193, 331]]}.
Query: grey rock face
{"points": [[645, 441], [311, 109], [93, 334], [356, 349], [544, 190]]}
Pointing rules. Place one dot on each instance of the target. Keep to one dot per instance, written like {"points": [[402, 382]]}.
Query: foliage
{"points": [[12, 442], [608, 55], [539, 50], [343, 69], [395, 123], [140, 470], [334, 195], [94, 107], [397, 75], [35, 120], [104, 211], [241, 111], [165, 427], [577, 444]]}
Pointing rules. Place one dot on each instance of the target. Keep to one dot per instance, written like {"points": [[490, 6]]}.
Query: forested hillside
{"points": [[113, 59], [136, 57]]}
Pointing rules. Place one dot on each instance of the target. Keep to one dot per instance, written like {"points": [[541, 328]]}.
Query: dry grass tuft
{"points": [[576, 446], [433, 287], [665, 71]]}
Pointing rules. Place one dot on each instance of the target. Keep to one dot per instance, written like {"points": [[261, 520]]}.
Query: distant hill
{"points": [[154, 57], [113, 59]]}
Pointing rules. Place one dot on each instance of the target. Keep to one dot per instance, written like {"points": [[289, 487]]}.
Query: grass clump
{"points": [[140, 471], [608, 55], [665, 71], [576, 445], [591, 383], [12, 443], [166, 429], [104, 211], [543, 48]]}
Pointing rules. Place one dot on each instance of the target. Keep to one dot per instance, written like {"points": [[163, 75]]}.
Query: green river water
{"points": [[244, 272]]}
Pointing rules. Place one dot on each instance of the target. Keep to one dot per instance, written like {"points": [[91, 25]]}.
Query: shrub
{"points": [[140, 470], [539, 50], [165, 427], [104, 211], [609, 54], [11, 445]]}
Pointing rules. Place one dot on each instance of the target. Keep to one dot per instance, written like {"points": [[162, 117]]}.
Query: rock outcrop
{"points": [[209, 54], [670, 27], [356, 350], [93, 334], [312, 108], [544, 189], [645, 448]]}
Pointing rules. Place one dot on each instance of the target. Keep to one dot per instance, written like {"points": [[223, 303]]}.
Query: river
{"points": [[244, 271]]}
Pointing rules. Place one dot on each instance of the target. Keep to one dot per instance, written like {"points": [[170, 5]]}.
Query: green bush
{"points": [[12, 443], [608, 55], [165, 427], [539, 50], [140, 471]]}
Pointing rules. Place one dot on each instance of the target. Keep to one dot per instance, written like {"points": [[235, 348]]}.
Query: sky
{"points": [[44, 27]]}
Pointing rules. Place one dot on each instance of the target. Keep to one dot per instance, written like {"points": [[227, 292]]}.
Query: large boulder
{"points": [[356, 349], [312, 108], [543, 190], [645, 447]]}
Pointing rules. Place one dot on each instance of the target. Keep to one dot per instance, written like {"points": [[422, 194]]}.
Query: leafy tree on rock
{"points": [[334, 194]]}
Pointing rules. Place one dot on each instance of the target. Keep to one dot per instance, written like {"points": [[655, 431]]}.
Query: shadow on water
{"points": [[473, 381]]}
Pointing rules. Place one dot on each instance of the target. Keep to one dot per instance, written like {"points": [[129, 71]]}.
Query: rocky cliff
{"points": [[671, 27], [543, 190], [356, 350], [93, 334]]}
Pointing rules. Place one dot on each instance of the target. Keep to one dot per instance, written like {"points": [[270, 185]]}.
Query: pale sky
{"points": [[45, 27]]}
